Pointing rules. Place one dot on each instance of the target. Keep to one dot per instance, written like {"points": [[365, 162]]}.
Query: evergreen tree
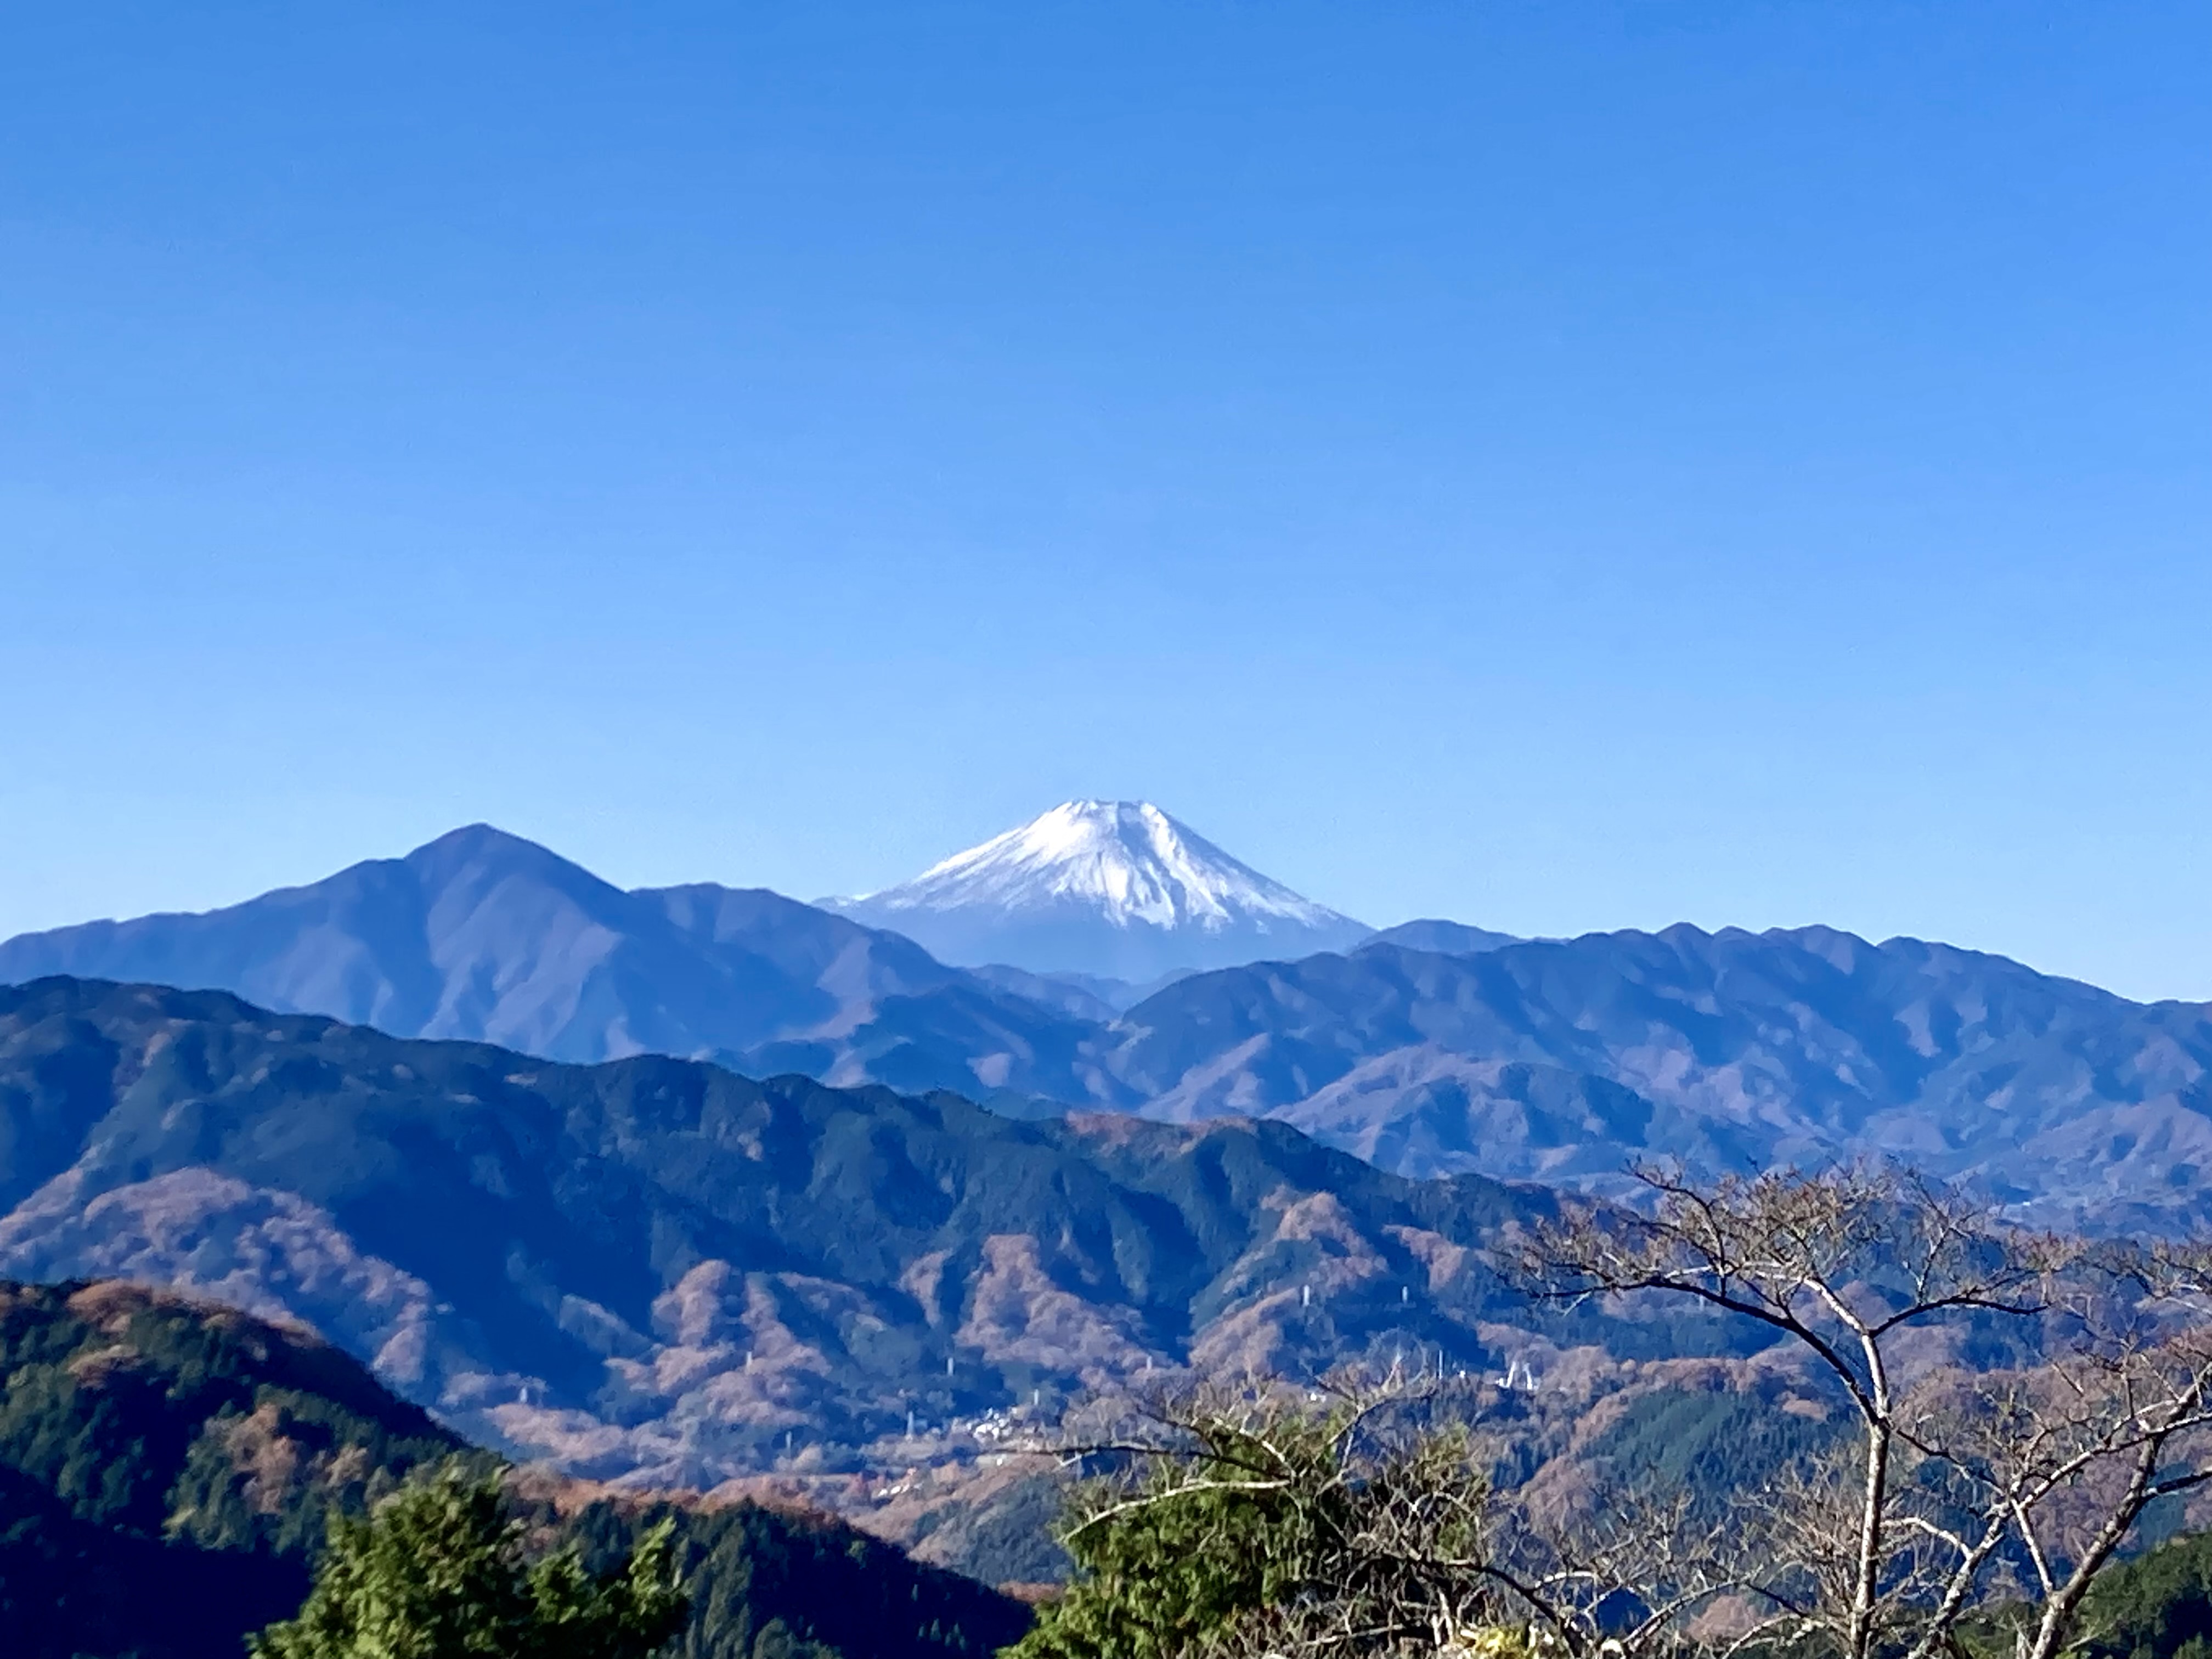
{"points": [[438, 1571]]}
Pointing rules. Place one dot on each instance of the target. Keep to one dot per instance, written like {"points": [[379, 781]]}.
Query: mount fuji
{"points": [[1111, 888]]}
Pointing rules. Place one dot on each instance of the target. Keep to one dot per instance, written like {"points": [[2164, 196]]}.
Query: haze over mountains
{"points": [[1430, 1049]]}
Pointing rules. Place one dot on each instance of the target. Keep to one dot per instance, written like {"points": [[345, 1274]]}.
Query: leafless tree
{"points": [[2001, 1488], [2062, 1457], [1958, 1477]]}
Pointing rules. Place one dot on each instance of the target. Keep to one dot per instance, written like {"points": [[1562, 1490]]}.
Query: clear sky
{"points": [[1560, 466]]}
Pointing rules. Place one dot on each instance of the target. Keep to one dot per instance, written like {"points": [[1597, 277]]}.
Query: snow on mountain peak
{"points": [[1127, 859], [1093, 883]]}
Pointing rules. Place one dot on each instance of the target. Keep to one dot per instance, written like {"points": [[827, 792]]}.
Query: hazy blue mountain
{"points": [[1089, 996], [1448, 938], [1086, 996], [1117, 889], [480, 935], [657, 1268], [1558, 1059]]}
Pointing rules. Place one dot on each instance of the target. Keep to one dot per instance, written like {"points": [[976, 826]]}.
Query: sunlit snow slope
{"points": [[1116, 888]]}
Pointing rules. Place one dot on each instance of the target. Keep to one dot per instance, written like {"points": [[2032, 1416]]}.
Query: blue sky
{"points": [[1558, 466]]}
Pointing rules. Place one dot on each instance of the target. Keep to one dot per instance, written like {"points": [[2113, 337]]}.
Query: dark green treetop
{"points": [[439, 1570]]}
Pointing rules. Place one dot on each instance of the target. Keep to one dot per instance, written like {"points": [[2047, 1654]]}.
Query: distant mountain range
{"points": [[1430, 1048], [1109, 888], [483, 936], [1731, 1051]]}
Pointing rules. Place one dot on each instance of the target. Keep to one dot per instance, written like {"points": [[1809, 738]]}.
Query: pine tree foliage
{"points": [[439, 1571]]}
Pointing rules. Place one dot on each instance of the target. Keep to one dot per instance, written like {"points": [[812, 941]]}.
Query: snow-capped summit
{"points": [[1110, 887], [1127, 861]]}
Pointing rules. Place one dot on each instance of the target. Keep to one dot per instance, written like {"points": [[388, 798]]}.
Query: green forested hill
{"points": [[2157, 1607], [167, 1468]]}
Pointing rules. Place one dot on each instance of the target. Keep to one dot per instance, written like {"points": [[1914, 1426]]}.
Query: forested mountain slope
{"points": [[166, 1467], [659, 1269]]}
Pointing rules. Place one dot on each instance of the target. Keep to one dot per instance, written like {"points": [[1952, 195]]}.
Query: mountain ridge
{"points": [[1734, 1050], [1553, 1059], [480, 935], [657, 1270]]}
